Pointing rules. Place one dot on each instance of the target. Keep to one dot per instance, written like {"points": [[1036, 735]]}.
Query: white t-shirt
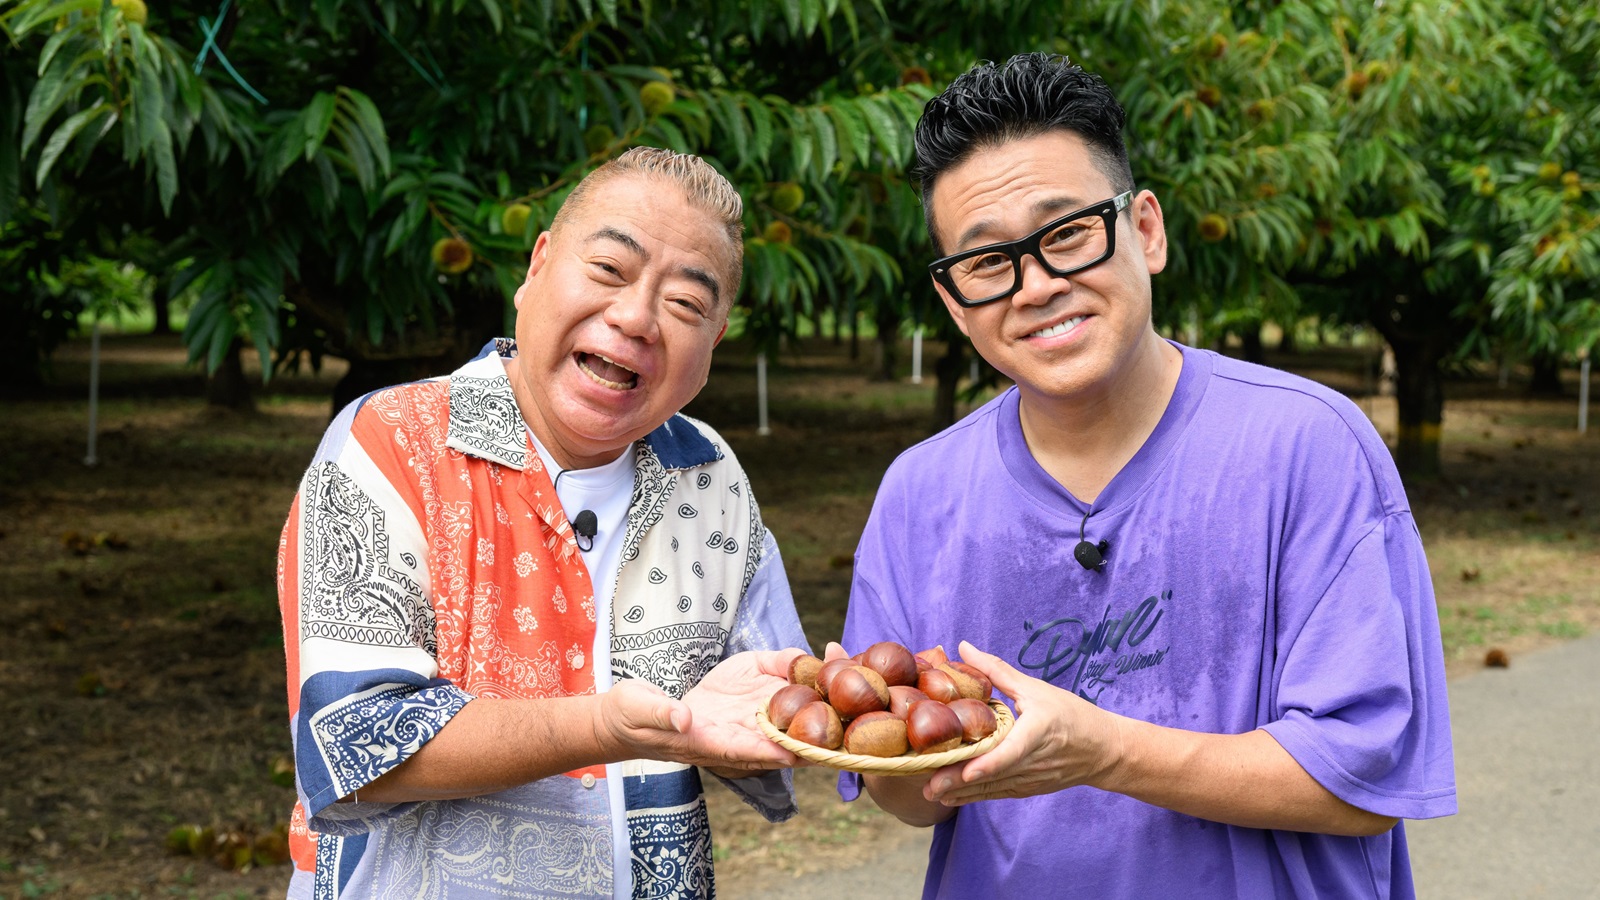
{"points": [[604, 490]]}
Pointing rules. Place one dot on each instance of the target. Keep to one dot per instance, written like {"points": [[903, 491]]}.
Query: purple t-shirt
{"points": [[1263, 571]]}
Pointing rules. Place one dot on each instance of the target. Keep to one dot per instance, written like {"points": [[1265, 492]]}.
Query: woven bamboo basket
{"points": [[892, 765]]}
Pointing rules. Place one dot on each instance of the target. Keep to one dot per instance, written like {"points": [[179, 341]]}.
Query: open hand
{"points": [[1059, 740], [714, 725]]}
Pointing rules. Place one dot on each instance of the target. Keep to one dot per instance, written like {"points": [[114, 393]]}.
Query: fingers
{"points": [[1000, 672], [834, 650], [776, 662]]}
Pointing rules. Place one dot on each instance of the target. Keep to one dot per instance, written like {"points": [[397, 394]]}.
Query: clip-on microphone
{"points": [[1090, 556], [586, 526]]}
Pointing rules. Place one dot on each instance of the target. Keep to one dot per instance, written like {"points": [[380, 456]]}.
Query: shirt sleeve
{"points": [[767, 620], [1360, 694], [359, 633]]}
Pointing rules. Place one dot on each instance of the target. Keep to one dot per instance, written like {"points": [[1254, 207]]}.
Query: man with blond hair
{"points": [[524, 602]]}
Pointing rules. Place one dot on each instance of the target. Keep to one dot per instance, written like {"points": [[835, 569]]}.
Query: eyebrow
{"points": [[701, 276], [1040, 208]]}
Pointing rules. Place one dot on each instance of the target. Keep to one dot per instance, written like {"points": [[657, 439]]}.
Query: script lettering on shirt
{"points": [[1093, 656]]}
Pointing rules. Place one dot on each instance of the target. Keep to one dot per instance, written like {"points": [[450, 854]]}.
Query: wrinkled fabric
{"points": [[1263, 571]]}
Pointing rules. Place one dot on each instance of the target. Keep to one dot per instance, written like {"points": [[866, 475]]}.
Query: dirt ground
{"points": [[141, 662]]}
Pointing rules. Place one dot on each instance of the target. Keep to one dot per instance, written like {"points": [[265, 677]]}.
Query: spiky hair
{"points": [[1030, 94]]}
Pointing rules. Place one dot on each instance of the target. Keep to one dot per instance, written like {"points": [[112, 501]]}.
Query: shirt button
{"points": [[587, 780]]}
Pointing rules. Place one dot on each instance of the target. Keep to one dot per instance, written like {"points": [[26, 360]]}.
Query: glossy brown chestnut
{"points": [[933, 655], [932, 727], [876, 734], [977, 719], [939, 685], [804, 670], [829, 669], [818, 725], [788, 701], [901, 696], [891, 660], [984, 687], [857, 691]]}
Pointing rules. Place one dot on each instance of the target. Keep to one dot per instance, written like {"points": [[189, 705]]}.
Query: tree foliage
{"points": [[291, 166]]}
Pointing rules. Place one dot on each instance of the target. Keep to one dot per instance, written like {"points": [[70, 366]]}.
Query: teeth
{"points": [[616, 385], [1054, 330]]}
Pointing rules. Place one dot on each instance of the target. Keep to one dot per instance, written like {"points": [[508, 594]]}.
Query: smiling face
{"points": [[618, 316], [1059, 338]]}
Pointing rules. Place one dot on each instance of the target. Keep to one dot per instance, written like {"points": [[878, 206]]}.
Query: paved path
{"points": [[1527, 742]]}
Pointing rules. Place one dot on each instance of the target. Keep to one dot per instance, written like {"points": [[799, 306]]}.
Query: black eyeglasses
{"points": [[1072, 243]]}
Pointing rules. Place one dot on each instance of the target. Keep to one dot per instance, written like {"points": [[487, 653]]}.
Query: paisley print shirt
{"points": [[427, 562]]}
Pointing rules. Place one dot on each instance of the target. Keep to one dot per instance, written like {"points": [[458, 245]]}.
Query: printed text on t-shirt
{"points": [[1094, 656]]}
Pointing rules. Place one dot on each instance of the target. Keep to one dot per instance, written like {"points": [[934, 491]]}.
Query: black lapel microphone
{"points": [[586, 526], [1090, 556]]}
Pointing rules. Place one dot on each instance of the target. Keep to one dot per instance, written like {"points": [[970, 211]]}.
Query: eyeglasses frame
{"points": [[1029, 245]]}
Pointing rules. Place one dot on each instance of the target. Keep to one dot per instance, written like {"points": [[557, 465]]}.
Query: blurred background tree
{"points": [[364, 179]]}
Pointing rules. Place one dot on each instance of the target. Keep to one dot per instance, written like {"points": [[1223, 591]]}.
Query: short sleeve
{"points": [[767, 620], [1360, 696]]}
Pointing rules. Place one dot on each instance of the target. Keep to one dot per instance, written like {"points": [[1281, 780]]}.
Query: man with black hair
{"points": [[1199, 580]]}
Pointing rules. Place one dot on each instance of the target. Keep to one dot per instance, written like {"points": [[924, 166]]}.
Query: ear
{"points": [[536, 262], [720, 332], [1151, 228], [957, 311]]}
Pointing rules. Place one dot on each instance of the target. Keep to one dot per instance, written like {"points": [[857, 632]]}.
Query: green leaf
{"points": [[52, 89], [885, 128], [761, 119], [371, 123], [63, 136], [166, 170], [316, 120], [493, 9], [855, 142], [827, 141]]}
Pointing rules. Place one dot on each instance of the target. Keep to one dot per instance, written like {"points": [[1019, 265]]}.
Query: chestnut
{"points": [[804, 670], [857, 691], [788, 701], [893, 661], [969, 681], [934, 656], [876, 734], [932, 727], [901, 696], [939, 685], [977, 719], [829, 669], [818, 725]]}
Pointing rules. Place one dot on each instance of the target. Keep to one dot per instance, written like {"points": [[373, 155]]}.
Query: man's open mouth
{"points": [[607, 372]]}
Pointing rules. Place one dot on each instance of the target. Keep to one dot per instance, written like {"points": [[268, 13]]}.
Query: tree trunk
{"points": [[855, 333], [1286, 344], [1250, 338], [163, 306], [948, 369], [227, 387], [1419, 393], [888, 319], [1546, 375]]}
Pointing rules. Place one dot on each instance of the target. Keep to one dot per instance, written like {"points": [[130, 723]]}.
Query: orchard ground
{"points": [[141, 661]]}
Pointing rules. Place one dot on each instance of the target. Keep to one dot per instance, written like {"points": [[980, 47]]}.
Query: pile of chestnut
{"points": [[894, 702]]}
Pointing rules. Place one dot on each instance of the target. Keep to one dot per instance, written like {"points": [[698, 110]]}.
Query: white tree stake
{"points": [[90, 459], [1583, 394], [761, 395], [916, 356]]}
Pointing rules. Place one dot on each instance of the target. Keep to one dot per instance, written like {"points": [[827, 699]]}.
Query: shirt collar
{"points": [[485, 421]]}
